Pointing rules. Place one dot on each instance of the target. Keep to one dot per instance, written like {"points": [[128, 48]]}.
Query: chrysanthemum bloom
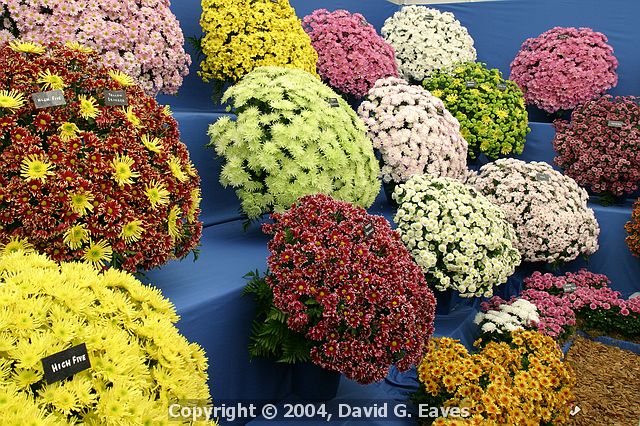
{"points": [[110, 185], [633, 228], [242, 35], [138, 360], [294, 136], [141, 39], [347, 285], [564, 67], [351, 55], [600, 146]]}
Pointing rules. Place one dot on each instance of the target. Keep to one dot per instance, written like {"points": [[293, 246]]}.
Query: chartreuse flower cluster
{"points": [[459, 238], [110, 185], [519, 382], [242, 35], [491, 110], [293, 136], [139, 361]]}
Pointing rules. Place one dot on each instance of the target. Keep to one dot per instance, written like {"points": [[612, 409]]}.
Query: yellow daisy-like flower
{"points": [[167, 111], [132, 231], [11, 99], [34, 167], [157, 194], [153, 144], [502, 113], [68, 131], [121, 78], [27, 47], [17, 244], [98, 253], [88, 107], [452, 98], [174, 217], [437, 93], [191, 169], [50, 81], [122, 172], [74, 45], [81, 203], [76, 236], [176, 169], [132, 117], [196, 198]]}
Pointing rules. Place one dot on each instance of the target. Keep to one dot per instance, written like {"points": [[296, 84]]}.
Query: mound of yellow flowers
{"points": [[242, 35], [139, 361], [521, 381]]}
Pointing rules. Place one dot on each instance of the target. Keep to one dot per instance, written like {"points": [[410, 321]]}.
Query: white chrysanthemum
{"points": [[426, 39]]}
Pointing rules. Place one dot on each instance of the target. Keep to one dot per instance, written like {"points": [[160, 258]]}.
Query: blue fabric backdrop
{"points": [[208, 293]]}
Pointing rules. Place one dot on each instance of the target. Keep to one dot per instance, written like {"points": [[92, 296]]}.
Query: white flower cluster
{"points": [[547, 209], [425, 40], [413, 132], [458, 237], [508, 317]]}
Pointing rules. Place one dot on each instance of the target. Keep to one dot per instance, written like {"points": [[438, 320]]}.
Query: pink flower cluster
{"points": [[413, 131], [600, 147], [141, 39], [564, 67], [351, 55]]}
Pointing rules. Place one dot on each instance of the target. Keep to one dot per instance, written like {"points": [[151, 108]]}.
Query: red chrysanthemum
{"points": [[600, 147], [346, 281], [110, 185], [633, 228]]}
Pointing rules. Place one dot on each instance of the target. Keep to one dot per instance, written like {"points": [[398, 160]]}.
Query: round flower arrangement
{"points": [[564, 67], [413, 132], [507, 317], [142, 39], [242, 35], [351, 55], [548, 210], [351, 296], [491, 110], [139, 361], [110, 185], [426, 40], [522, 381], [633, 229], [600, 147], [293, 136], [458, 237]]}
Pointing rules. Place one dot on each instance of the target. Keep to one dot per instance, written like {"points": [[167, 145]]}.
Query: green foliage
{"points": [[492, 114], [288, 141], [270, 336]]}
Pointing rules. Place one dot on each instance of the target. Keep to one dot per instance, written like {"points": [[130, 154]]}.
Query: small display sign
{"points": [[334, 102], [542, 177], [369, 230], [471, 84], [66, 363], [115, 98], [502, 86], [612, 123], [569, 287], [48, 99]]}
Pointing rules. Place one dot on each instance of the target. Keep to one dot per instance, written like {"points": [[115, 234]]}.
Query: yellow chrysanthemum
{"points": [[157, 194], [174, 217], [121, 78], [11, 100], [68, 131], [132, 231], [132, 117], [27, 47], [166, 110], [76, 236], [153, 144], [88, 107], [437, 93], [98, 254], [74, 45], [196, 198], [122, 172], [16, 244], [81, 203], [191, 169], [50, 81], [176, 169], [34, 167]]}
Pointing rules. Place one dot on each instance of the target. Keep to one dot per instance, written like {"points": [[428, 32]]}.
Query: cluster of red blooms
{"points": [[110, 185], [348, 283], [600, 147], [633, 228]]}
